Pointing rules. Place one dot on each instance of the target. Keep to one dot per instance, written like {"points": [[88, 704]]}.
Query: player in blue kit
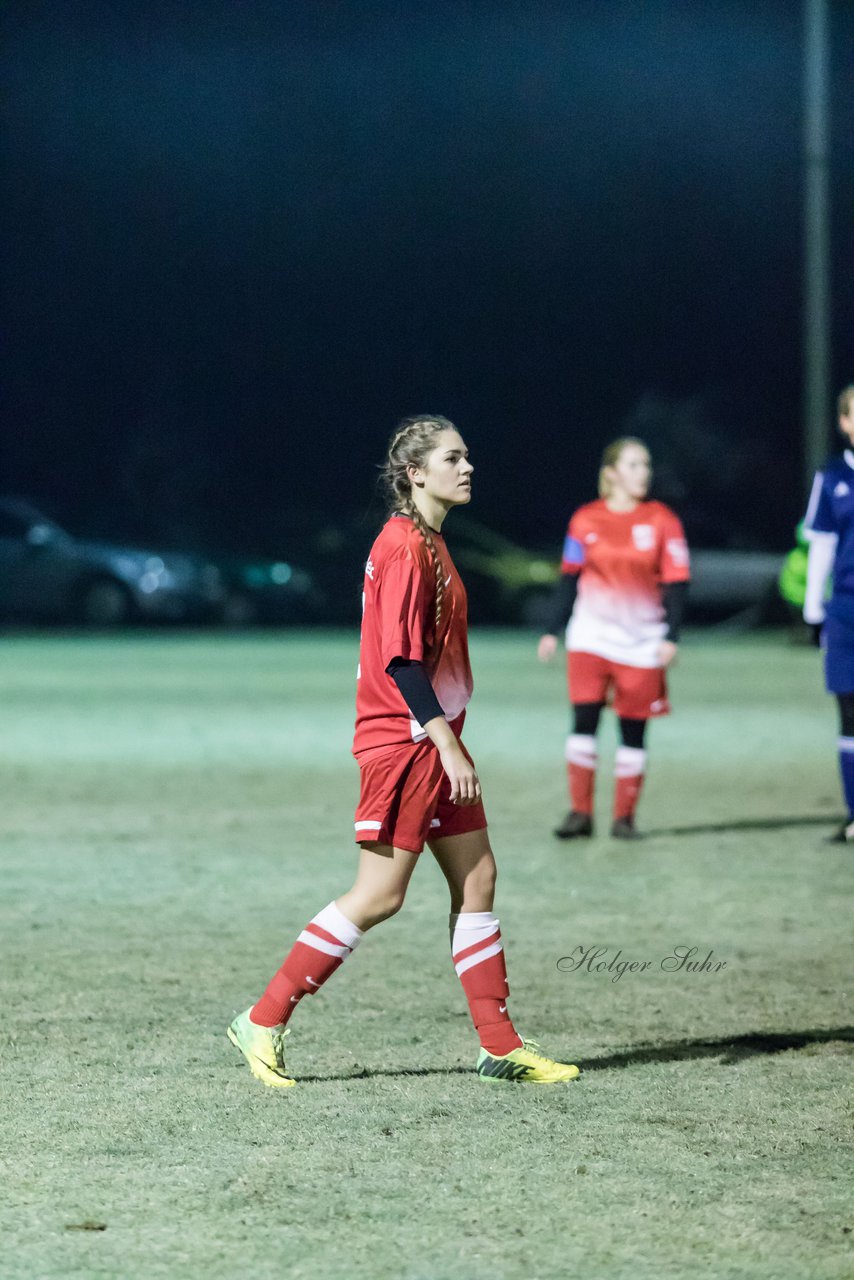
{"points": [[829, 528]]}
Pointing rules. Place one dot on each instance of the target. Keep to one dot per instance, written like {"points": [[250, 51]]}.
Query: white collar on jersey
{"points": [[848, 455]]}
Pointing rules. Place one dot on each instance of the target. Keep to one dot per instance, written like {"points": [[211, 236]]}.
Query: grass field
{"points": [[175, 807]]}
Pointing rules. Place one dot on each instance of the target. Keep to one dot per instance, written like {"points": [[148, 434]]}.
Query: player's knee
{"points": [[383, 906]]}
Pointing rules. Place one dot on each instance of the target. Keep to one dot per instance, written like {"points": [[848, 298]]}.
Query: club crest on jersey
{"points": [[842, 490], [369, 569], [643, 536]]}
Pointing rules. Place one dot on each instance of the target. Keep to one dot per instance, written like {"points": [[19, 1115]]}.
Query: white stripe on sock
{"points": [[581, 749], [333, 920], [630, 762], [477, 958], [320, 944]]}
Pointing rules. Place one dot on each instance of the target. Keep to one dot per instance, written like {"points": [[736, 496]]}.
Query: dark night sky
{"points": [[241, 239]]}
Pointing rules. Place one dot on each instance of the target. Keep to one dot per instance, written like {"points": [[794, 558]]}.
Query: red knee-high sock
{"points": [[479, 961], [581, 757], [629, 772], [321, 948]]}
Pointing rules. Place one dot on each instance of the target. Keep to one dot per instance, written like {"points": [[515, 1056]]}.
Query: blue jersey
{"points": [[831, 510]]}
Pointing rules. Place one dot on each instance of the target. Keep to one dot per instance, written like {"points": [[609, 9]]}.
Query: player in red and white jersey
{"points": [[624, 575], [399, 622], [418, 783]]}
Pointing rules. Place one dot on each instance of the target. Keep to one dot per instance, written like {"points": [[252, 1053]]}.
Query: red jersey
{"points": [[399, 621], [623, 558]]}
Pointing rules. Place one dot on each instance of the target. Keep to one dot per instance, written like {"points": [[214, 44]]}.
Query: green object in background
{"points": [[793, 575]]}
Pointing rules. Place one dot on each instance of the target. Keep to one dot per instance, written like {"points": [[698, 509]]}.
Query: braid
{"points": [[409, 508], [410, 445]]}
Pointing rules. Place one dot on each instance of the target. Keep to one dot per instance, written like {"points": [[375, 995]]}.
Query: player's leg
{"points": [[399, 793], [838, 641], [588, 687], [467, 862], [640, 694], [629, 774], [845, 703], [321, 948], [335, 932], [581, 760], [468, 866]]}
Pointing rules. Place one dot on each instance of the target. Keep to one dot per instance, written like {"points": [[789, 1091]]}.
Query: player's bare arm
{"points": [[462, 775]]}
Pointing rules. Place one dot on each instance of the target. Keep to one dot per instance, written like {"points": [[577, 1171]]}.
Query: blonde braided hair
{"points": [[410, 446]]}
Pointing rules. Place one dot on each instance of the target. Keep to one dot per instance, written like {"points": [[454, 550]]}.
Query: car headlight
{"points": [[281, 573], [127, 566], [156, 576]]}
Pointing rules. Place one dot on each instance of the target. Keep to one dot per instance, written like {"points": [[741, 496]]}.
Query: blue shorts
{"points": [[837, 639]]}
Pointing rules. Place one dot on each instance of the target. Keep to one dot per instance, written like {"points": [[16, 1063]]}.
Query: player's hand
{"points": [[462, 775], [546, 648], [667, 653]]}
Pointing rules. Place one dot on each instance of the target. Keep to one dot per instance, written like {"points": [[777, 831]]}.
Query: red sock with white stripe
{"points": [[581, 758], [479, 961], [629, 771], [324, 945]]}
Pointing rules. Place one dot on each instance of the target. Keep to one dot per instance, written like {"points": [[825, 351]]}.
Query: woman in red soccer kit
{"points": [[624, 577], [418, 783]]}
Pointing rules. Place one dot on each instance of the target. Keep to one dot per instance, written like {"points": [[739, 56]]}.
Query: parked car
{"points": [[46, 574], [260, 592]]}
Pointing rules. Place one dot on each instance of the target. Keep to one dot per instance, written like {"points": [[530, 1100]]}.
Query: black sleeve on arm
{"points": [[563, 598], [673, 597], [415, 687]]}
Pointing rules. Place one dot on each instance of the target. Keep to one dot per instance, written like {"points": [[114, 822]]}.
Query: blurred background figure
{"points": [[625, 573], [829, 528]]}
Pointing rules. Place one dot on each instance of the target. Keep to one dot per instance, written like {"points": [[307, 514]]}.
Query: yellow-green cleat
{"points": [[263, 1049], [525, 1065]]}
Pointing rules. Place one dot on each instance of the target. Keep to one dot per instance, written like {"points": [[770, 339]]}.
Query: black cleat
{"points": [[624, 829], [844, 835], [574, 825]]}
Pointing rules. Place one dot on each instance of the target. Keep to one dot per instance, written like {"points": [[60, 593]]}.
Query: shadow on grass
{"points": [[368, 1073], [729, 1049], [747, 824]]}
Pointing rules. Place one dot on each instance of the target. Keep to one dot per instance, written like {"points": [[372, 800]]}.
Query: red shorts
{"points": [[405, 800], [637, 693]]}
